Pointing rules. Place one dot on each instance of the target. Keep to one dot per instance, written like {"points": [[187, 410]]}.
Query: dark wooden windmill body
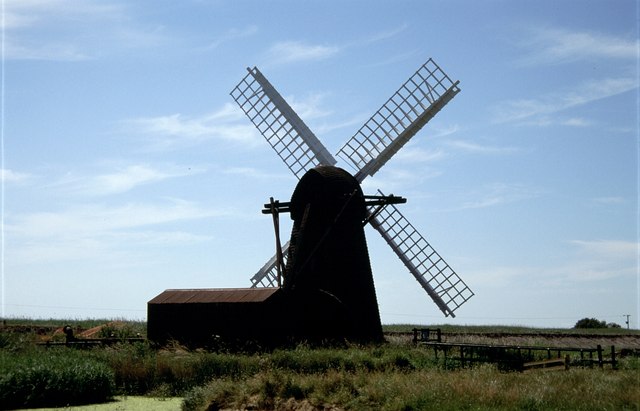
{"points": [[328, 260]]}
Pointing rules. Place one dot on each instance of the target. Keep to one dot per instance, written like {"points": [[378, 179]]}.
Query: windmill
{"points": [[418, 100]]}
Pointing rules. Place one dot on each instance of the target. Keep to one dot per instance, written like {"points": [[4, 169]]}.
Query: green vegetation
{"points": [[394, 376]]}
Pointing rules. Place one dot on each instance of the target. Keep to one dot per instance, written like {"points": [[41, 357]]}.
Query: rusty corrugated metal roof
{"points": [[214, 295]]}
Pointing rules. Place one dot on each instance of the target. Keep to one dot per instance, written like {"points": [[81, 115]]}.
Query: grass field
{"points": [[392, 376]]}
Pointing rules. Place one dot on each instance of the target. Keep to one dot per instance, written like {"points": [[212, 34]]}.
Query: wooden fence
{"points": [[515, 357]]}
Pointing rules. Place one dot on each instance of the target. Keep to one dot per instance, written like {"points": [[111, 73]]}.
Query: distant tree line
{"points": [[593, 323]]}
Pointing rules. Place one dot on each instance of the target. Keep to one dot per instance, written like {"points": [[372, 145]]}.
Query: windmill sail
{"points": [[267, 276], [435, 276], [420, 98], [287, 134], [283, 129]]}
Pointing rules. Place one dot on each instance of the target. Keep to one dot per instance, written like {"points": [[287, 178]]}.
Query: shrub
{"points": [[590, 323]]}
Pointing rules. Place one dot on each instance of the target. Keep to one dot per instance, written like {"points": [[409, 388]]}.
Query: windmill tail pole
{"points": [[276, 225]]}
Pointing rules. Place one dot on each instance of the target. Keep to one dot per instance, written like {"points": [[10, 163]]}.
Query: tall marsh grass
{"points": [[480, 388], [52, 379]]}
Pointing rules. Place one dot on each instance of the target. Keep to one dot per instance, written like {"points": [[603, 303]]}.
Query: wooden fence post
{"points": [[600, 356], [445, 358], [614, 364]]}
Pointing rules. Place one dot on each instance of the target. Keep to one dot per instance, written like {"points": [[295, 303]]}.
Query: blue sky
{"points": [[128, 169]]}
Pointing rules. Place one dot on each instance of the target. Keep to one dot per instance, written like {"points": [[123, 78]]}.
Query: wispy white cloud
{"points": [[310, 107], [549, 121], [97, 219], [287, 52], [498, 276], [72, 31], [412, 155], [381, 36], [600, 260], [349, 123], [227, 123], [550, 46], [108, 248], [296, 51], [51, 51], [10, 176], [121, 180], [609, 249], [407, 169], [525, 109], [399, 179], [95, 230], [384, 34], [584, 263], [624, 130], [139, 37], [396, 58], [256, 174], [20, 13], [577, 122], [14, 19], [130, 177], [443, 131], [63, 22], [175, 130], [496, 194], [609, 200], [479, 148], [233, 34], [555, 46], [596, 90]]}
